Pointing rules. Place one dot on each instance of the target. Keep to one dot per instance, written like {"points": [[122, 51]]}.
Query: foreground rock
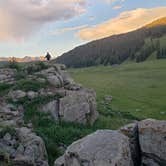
{"points": [[21, 147], [138, 144], [152, 138], [103, 148]]}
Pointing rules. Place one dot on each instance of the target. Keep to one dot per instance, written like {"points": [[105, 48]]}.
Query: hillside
{"points": [[118, 48]]}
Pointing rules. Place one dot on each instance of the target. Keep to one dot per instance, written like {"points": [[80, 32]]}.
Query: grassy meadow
{"points": [[138, 90]]}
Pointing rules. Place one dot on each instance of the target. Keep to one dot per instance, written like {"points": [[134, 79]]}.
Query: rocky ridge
{"points": [[19, 145]]}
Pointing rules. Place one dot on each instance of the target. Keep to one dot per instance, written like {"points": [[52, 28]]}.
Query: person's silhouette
{"points": [[48, 56]]}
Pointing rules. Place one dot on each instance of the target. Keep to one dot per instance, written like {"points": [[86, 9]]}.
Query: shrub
{"points": [[9, 130], [29, 85], [13, 64]]}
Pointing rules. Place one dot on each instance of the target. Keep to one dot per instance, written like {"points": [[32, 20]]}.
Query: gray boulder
{"points": [[152, 138], [78, 106], [102, 148]]}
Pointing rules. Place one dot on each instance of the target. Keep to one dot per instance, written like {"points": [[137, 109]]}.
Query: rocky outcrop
{"points": [[103, 148], [19, 146], [65, 101], [75, 106], [139, 144], [22, 147], [7, 75], [56, 75], [10, 115]]}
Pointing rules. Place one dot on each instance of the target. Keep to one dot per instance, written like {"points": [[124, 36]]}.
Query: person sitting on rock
{"points": [[48, 56]]}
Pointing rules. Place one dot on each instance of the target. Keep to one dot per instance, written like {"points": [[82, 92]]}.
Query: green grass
{"points": [[138, 89], [4, 88]]}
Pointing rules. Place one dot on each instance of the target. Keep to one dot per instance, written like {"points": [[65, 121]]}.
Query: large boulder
{"points": [[152, 138], [102, 148], [78, 106]]}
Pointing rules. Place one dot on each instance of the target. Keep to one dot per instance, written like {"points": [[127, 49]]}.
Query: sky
{"points": [[33, 27]]}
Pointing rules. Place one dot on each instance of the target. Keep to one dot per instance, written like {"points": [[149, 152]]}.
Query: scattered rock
{"points": [[31, 94], [108, 99], [17, 94], [7, 75]]}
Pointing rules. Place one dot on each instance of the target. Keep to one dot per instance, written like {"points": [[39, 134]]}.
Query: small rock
{"points": [[31, 94], [7, 137], [16, 95]]}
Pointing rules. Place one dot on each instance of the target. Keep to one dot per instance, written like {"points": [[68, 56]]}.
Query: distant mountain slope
{"points": [[137, 45], [25, 59]]}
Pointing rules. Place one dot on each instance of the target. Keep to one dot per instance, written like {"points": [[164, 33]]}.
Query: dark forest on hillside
{"points": [[116, 49]]}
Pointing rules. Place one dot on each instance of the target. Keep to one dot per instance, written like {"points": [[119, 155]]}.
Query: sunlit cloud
{"points": [[125, 22], [117, 7], [19, 19], [111, 1], [68, 29]]}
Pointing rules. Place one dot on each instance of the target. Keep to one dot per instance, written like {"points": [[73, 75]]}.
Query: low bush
{"points": [[29, 85]]}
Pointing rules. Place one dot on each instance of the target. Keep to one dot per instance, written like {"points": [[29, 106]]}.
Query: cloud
{"points": [[91, 18], [21, 18], [117, 7], [112, 1], [125, 22], [68, 29], [109, 1]]}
